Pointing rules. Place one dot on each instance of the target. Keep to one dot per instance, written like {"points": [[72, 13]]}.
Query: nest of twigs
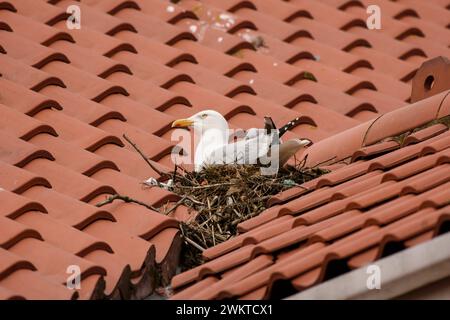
{"points": [[224, 196]]}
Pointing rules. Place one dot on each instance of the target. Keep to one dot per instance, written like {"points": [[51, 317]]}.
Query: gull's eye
{"points": [[203, 116]]}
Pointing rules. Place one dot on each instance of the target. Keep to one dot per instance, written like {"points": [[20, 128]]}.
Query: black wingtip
{"points": [[269, 124], [291, 124]]}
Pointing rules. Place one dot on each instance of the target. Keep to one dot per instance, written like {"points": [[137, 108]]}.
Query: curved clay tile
{"points": [[18, 152], [176, 79], [437, 144], [242, 45], [88, 163], [6, 294], [402, 207], [5, 5], [41, 12], [11, 263], [120, 241], [168, 244], [26, 127], [341, 251], [195, 288], [127, 185], [88, 111], [30, 103], [203, 77], [414, 52], [39, 287], [91, 62], [31, 249], [332, 150], [144, 222], [226, 262], [210, 292], [34, 55], [121, 27], [82, 214], [366, 108], [27, 76], [13, 232], [254, 236], [14, 205], [101, 43], [153, 146], [146, 69], [423, 111], [283, 94], [308, 279], [183, 14], [128, 162], [384, 63], [18, 180], [69, 182], [425, 134], [59, 36], [117, 282], [112, 7], [74, 131], [285, 196], [65, 237], [143, 284], [124, 47], [383, 84], [374, 150], [50, 58]]}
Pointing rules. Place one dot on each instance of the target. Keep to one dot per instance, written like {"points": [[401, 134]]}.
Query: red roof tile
{"points": [[382, 204], [68, 96]]}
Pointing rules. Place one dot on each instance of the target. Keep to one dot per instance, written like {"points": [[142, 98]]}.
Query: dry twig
{"points": [[125, 199], [162, 174]]}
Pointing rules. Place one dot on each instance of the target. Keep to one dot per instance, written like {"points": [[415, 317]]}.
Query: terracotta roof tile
{"points": [[391, 202], [20, 278], [135, 66]]}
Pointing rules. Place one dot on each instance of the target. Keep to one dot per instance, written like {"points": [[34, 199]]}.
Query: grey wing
{"points": [[251, 133], [246, 151]]}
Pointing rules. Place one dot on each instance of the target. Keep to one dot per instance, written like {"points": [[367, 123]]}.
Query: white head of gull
{"points": [[211, 130]]}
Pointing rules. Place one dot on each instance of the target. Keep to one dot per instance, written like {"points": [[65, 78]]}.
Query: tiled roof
{"points": [[389, 197], [68, 96]]}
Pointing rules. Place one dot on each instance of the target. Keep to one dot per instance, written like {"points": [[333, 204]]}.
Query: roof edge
{"points": [[399, 273]]}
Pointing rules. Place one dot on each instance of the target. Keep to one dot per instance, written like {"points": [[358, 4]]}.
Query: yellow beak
{"points": [[182, 123]]}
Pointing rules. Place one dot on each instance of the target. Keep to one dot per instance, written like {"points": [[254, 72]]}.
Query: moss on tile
{"points": [[238, 54], [444, 120], [309, 76], [400, 138]]}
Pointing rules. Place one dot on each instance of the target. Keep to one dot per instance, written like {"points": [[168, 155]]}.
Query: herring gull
{"points": [[213, 146]]}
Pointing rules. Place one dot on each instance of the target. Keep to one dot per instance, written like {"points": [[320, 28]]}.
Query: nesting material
{"points": [[224, 196]]}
